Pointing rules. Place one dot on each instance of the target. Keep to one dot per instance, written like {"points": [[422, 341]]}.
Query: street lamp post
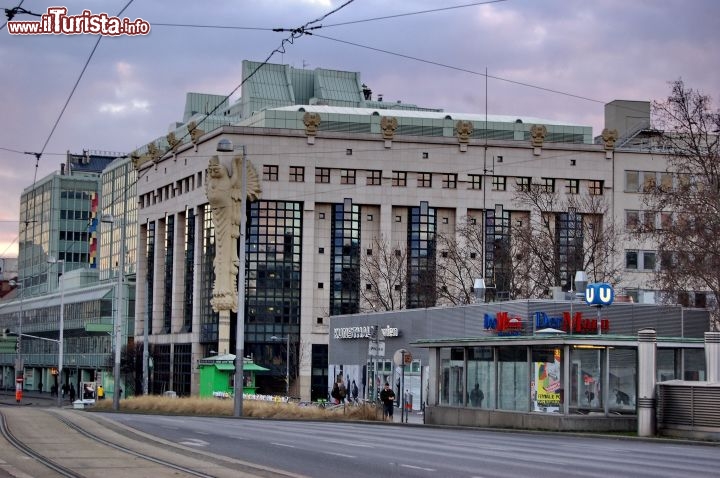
{"points": [[19, 365], [62, 323], [226, 146], [109, 219], [287, 362]]}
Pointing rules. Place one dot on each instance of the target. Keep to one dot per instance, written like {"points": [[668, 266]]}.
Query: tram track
{"points": [[38, 457], [78, 446]]}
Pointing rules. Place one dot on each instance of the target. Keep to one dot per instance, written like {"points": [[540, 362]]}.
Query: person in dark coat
{"points": [[72, 392]]}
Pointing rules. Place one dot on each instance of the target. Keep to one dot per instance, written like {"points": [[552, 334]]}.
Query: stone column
{"points": [[712, 356], [647, 355]]}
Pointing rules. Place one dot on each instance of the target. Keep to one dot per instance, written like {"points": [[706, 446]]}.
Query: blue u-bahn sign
{"points": [[599, 294]]}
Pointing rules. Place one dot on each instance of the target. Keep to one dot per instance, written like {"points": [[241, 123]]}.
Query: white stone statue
{"points": [[224, 193]]}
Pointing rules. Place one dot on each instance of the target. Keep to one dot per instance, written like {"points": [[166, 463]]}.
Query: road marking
{"points": [[194, 442], [339, 454], [283, 444], [418, 467]]}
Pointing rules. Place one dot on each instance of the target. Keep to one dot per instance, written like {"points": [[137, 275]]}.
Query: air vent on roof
{"points": [[301, 109], [448, 117], [375, 113], [518, 120]]}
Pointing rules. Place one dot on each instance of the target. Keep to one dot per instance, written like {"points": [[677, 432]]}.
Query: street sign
{"points": [[401, 357], [376, 349]]}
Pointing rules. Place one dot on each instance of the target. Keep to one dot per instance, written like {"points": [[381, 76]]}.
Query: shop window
{"points": [[585, 378], [513, 374], [623, 380], [452, 376], [480, 377], [546, 387]]}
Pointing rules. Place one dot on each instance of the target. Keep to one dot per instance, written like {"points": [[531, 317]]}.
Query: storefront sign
{"points": [[503, 324], [599, 295], [390, 331], [576, 324], [364, 332]]}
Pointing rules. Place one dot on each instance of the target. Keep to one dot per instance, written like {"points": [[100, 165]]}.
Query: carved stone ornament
{"points": [[538, 132], [195, 132], [224, 192], [609, 136], [388, 124], [464, 129], [173, 142], [312, 121]]}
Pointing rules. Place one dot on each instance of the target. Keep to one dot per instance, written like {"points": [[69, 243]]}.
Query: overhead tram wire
{"points": [[434, 10], [457, 68], [74, 88], [295, 33], [11, 12], [352, 22]]}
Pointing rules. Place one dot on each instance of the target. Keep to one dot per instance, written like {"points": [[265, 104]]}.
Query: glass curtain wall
{"points": [[345, 259], [422, 228]]}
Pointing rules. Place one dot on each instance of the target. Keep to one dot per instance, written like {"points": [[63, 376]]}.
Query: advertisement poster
{"points": [[546, 386]]}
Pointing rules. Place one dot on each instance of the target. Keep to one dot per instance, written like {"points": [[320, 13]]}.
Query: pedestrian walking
{"points": [[387, 397], [72, 392]]}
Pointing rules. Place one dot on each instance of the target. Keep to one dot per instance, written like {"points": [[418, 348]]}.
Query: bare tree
{"points": [[459, 263], [383, 277], [562, 234], [688, 200]]}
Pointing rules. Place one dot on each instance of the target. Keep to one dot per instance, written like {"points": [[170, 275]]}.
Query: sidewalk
{"points": [[415, 417]]}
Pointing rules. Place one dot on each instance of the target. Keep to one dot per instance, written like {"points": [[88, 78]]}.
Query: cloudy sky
{"points": [[587, 52]]}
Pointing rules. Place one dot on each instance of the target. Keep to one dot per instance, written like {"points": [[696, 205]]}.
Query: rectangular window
{"points": [[649, 221], [595, 187], [475, 181], [523, 184], [399, 178], [297, 174], [666, 182], [347, 176], [572, 186], [632, 220], [424, 180], [649, 181], [449, 181], [631, 260], [270, 172], [547, 185], [499, 183], [322, 175], [632, 181], [374, 178], [648, 261], [666, 220]]}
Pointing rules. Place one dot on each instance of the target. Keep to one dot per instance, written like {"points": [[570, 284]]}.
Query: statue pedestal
{"points": [[224, 332]]}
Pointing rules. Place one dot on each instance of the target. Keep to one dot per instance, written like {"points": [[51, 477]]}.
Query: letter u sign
{"points": [[599, 294]]}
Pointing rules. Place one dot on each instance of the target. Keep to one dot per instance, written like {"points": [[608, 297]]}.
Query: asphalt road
{"points": [[321, 449]]}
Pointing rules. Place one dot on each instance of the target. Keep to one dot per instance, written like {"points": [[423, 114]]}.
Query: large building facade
{"points": [[339, 172], [58, 268], [344, 178]]}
